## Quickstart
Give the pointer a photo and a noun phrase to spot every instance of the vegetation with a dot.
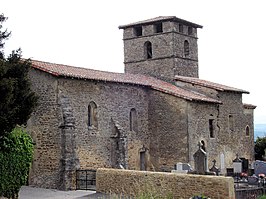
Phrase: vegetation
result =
(17, 101)
(260, 146)
(15, 162)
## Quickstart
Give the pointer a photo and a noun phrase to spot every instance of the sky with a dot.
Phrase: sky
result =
(85, 33)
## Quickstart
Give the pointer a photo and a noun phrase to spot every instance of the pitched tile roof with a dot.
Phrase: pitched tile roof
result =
(61, 70)
(209, 84)
(160, 19)
(249, 106)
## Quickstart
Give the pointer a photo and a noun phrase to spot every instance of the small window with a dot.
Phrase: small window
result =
(147, 50)
(158, 27)
(190, 30)
(211, 128)
(181, 28)
(138, 31)
(133, 120)
(186, 48)
(247, 131)
(231, 122)
(92, 115)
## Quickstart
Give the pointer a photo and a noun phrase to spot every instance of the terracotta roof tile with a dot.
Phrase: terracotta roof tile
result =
(249, 106)
(160, 19)
(209, 84)
(61, 70)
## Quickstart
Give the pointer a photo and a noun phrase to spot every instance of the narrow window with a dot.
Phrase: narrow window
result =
(190, 30)
(142, 161)
(158, 27)
(211, 128)
(133, 120)
(92, 115)
(180, 28)
(186, 48)
(147, 50)
(231, 122)
(247, 130)
(138, 31)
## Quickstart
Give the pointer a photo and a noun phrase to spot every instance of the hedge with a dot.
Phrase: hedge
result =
(16, 153)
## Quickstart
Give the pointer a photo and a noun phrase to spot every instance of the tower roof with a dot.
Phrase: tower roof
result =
(160, 19)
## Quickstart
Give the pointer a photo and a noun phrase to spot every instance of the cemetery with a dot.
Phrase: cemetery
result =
(186, 181)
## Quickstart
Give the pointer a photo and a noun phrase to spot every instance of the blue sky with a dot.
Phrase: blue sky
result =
(85, 34)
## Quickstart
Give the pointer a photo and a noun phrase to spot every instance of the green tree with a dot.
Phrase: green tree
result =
(17, 101)
(260, 146)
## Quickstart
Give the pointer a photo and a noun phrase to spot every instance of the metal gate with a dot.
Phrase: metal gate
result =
(86, 179)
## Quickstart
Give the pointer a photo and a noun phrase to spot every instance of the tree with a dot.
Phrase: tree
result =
(260, 146)
(3, 35)
(17, 101)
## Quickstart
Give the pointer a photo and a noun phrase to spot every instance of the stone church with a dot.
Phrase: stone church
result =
(148, 118)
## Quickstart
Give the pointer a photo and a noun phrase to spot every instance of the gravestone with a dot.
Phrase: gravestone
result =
(214, 168)
(223, 170)
(182, 168)
(259, 167)
(200, 159)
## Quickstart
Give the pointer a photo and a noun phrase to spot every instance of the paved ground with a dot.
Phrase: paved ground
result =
(39, 193)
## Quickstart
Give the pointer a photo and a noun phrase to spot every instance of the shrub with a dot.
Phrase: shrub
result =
(16, 154)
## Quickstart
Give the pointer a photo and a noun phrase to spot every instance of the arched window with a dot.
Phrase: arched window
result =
(133, 120)
(147, 50)
(92, 115)
(211, 128)
(247, 131)
(186, 48)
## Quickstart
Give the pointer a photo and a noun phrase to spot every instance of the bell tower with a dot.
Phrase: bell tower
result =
(161, 47)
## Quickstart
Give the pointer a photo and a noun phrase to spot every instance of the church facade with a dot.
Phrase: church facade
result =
(148, 118)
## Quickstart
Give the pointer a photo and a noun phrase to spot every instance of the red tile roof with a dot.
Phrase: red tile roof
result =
(249, 106)
(209, 84)
(160, 19)
(61, 70)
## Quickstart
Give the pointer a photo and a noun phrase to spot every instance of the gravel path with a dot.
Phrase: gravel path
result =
(39, 193)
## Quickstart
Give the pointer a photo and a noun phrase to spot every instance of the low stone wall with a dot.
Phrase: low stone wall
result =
(180, 186)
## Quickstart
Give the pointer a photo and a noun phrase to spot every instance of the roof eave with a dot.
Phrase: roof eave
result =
(161, 20)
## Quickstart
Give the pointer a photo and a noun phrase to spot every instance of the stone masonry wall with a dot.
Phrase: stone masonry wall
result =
(43, 126)
(165, 185)
(168, 58)
(168, 131)
(226, 142)
(98, 147)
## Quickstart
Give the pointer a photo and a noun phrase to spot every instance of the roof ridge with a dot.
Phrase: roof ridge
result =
(127, 78)
(209, 84)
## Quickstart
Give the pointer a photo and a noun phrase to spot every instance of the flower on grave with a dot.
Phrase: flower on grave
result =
(199, 197)
(262, 175)
(243, 174)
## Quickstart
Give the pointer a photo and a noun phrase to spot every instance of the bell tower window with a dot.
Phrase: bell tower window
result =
(147, 50)
(158, 27)
(190, 30)
(180, 28)
(138, 31)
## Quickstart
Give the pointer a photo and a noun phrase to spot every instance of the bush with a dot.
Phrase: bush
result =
(15, 156)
